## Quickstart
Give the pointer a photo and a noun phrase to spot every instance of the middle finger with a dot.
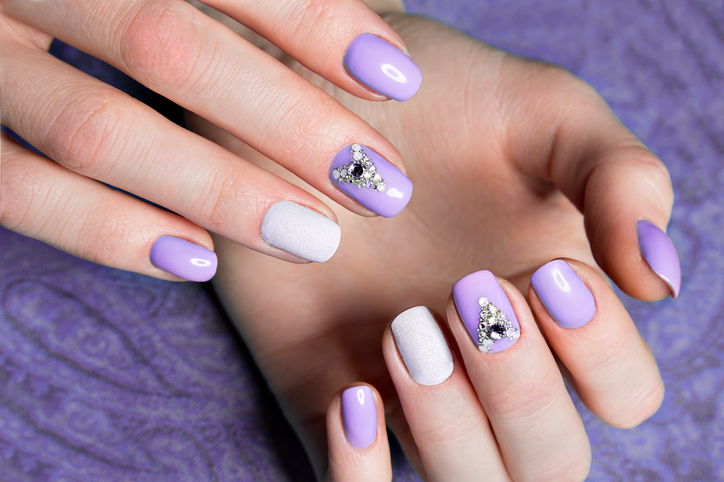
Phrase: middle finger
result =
(539, 432)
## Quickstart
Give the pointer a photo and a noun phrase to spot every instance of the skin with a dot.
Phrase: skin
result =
(505, 155)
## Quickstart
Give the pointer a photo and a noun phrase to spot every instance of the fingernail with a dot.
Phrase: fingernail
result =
(422, 346)
(371, 180)
(659, 252)
(300, 231)
(382, 67)
(486, 312)
(183, 259)
(565, 296)
(359, 416)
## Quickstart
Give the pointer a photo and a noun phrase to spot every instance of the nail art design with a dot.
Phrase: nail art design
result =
(359, 416)
(382, 67)
(300, 231)
(361, 171)
(422, 346)
(493, 326)
(371, 180)
(660, 253)
(565, 296)
(486, 312)
(183, 259)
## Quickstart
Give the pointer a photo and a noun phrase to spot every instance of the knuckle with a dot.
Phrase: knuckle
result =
(84, 131)
(224, 200)
(22, 188)
(529, 398)
(314, 21)
(160, 45)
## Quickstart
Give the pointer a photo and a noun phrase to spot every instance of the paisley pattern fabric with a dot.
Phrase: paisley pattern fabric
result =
(107, 375)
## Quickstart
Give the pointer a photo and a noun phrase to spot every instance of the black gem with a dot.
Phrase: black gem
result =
(496, 331)
(356, 170)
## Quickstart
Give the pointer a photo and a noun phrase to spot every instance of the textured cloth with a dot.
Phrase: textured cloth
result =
(108, 375)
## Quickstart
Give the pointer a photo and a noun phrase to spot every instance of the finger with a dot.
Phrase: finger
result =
(450, 429)
(203, 66)
(96, 131)
(618, 184)
(539, 432)
(325, 34)
(584, 322)
(39, 198)
(358, 446)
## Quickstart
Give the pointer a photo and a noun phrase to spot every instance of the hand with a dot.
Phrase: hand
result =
(94, 132)
(505, 154)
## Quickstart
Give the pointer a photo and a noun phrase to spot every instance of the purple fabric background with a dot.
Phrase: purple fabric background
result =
(107, 375)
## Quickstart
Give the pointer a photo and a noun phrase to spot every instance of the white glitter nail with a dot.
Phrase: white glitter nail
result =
(300, 231)
(422, 346)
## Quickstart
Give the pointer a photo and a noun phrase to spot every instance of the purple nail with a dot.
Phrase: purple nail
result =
(359, 416)
(660, 253)
(382, 67)
(371, 180)
(486, 312)
(565, 296)
(183, 259)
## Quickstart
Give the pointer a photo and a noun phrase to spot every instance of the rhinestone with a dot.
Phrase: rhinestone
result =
(381, 187)
(357, 156)
(367, 175)
(335, 174)
(483, 301)
(377, 177)
(343, 173)
(356, 147)
(372, 168)
(356, 170)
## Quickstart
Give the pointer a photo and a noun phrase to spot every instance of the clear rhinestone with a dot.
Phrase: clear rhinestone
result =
(483, 301)
(343, 173)
(356, 147)
(357, 156)
(335, 174)
(372, 168)
(377, 177)
(367, 175)
(381, 187)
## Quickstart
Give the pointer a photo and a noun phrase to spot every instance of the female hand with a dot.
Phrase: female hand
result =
(507, 156)
(95, 133)
(498, 409)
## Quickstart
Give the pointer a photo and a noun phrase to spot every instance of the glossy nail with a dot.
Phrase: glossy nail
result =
(371, 180)
(564, 295)
(382, 67)
(183, 259)
(486, 312)
(300, 231)
(422, 346)
(660, 254)
(359, 416)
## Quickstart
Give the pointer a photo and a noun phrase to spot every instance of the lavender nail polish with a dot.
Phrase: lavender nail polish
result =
(371, 180)
(382, 67)
(183, 259)
(486, 312)
(359, 416)
(565, 295)
(660, 254)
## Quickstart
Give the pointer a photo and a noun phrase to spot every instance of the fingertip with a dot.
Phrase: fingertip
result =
(357, 438)
(659, 251)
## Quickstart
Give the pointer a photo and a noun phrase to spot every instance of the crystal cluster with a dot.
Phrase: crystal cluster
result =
(361, 171)
(493, 326)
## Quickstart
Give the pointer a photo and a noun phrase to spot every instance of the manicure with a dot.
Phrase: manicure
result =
(382, 67)
(183, 259)
(300, 231)
(422, 346)
(564, 295)
(659, 252)
(371, 180)
(359, 416)
(486, 312)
